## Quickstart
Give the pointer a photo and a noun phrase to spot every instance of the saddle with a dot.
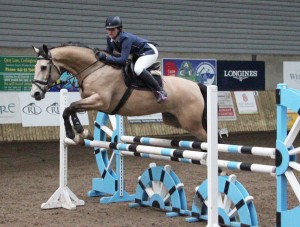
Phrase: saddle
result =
(135, 82)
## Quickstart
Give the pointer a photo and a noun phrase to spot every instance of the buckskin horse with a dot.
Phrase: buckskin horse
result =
(102, 88)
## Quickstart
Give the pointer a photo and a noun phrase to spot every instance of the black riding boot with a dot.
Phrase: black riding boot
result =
(159, 92)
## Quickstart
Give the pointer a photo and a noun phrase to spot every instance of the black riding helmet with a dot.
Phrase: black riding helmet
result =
(113, 22)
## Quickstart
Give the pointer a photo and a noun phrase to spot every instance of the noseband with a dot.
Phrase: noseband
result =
(46, 82)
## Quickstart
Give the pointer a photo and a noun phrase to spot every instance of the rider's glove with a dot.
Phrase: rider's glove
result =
(101, 56)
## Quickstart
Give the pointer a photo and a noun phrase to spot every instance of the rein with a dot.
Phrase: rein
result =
(81, 82)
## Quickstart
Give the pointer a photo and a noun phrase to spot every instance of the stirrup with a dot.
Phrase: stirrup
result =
(160, 96)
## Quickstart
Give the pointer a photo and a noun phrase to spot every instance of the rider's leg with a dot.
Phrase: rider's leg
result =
(140, 67)
(159, 93)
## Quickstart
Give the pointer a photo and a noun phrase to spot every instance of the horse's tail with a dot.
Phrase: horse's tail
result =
(203, 90)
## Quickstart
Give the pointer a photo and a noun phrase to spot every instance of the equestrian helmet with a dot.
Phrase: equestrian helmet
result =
(113, 22)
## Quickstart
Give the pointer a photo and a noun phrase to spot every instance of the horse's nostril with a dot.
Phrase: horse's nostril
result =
(37, 94)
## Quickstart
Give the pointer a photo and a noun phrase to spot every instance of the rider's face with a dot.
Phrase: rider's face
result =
(112, 32)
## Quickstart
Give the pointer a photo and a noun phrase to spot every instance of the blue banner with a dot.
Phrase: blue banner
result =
(241, 75)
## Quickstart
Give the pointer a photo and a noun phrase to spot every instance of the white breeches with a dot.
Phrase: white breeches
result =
(146, 61)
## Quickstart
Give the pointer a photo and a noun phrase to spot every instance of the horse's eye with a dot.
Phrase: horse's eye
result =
(43, 67)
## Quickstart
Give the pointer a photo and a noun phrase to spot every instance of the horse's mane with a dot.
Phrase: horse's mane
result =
(79, 44)
(71, 43)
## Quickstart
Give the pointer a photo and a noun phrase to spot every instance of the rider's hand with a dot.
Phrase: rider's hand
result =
(100, 56)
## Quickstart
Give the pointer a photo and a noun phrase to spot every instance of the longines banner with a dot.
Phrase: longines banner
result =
(46, 112)
(241, 75)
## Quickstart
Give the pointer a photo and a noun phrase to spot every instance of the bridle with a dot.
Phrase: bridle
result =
(44, 85)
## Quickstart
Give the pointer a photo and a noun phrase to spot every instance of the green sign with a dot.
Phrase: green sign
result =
(16, 73)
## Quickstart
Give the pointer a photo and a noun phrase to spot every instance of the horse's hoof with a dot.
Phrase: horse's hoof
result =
(69, 141)
(79, 140)
(87, 134)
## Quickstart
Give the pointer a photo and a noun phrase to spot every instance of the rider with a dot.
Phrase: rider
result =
(126, 43)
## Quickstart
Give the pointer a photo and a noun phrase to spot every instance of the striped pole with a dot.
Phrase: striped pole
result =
(229, 148)
(165, 158)
(184, 156)
(231, 165)
(175, 153)
(252, 167)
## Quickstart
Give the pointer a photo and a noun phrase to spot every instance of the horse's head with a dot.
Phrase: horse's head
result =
(46, 73)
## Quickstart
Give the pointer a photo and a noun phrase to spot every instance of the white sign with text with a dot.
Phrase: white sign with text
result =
(245, 101)
(225, 105)
(10, 108)
(46, 112)
(291, 74)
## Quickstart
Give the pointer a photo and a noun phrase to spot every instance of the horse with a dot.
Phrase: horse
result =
(102, 88)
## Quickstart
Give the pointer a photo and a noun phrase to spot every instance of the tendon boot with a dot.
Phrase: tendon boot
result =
(159, 93)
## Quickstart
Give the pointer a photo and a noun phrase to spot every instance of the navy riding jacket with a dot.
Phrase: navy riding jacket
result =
(126, 44)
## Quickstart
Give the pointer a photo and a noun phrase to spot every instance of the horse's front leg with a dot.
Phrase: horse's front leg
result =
(68, 127)
(82, 134)
(76, 122)
(90, 103)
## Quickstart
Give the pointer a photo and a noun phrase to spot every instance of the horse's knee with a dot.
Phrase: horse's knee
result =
(66, 114)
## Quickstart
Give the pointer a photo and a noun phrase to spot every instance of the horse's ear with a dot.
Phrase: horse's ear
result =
(37, 50)
(45, 49)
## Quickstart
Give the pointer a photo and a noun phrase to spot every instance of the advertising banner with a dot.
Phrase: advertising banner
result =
(291, 118)
(16, 73)
(241, 75)
(152, 118)
(9, 108)
(245, 102)
(226, 107)
(46, 112)
(198, 70)
(291, 74)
